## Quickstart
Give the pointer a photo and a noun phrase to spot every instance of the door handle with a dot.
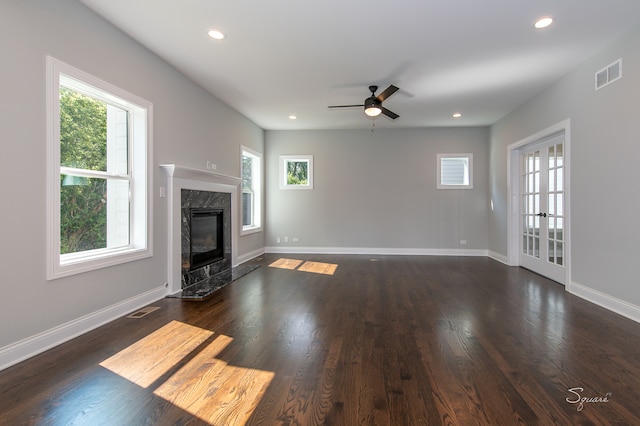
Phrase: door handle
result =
(542, 214)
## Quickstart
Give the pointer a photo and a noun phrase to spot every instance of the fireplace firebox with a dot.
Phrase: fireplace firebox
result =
(206, 236)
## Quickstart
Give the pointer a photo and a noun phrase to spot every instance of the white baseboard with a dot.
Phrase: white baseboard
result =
(611, 303)
(499, 257)
(375, 251)
(31, 346)
(248, 256)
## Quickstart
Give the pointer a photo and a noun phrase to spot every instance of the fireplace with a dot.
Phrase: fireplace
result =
(187, 189)
(207, 236)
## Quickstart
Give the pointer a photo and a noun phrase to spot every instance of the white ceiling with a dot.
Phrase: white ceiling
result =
(482, 58)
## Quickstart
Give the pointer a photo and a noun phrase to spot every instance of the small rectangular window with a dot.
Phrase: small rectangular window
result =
(296, 172)
(455, 171)
(251, 190)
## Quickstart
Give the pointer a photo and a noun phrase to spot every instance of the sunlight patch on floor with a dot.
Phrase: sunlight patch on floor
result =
(153, 356)
(180, 361)
(283, 263)
(308, 266)
(319, 268)
(214, 391)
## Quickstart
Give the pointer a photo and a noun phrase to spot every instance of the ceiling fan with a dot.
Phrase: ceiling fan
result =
(373, 104)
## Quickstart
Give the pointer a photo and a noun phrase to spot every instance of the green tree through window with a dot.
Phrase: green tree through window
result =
(297, 172)
(83, 145)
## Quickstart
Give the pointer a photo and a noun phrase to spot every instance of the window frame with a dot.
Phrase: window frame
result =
(284, 160)
(256, 186)
(139, 173)
(468, 157)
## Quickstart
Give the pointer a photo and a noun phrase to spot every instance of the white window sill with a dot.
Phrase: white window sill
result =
(252, 230)
(77, 264)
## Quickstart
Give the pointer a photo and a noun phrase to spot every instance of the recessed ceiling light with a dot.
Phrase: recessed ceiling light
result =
(215, 34)
(292, 117)
(457, 115)
(543, 22)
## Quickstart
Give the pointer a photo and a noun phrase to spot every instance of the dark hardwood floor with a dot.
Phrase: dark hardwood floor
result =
(395, 340)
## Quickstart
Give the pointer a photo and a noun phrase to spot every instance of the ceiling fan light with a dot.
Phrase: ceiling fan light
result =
(373, 111)
(371, 107)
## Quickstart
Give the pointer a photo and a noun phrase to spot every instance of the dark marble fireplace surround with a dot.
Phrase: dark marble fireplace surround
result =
(204, 199)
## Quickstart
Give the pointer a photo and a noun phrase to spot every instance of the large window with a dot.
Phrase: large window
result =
(251, 190)
(455, 171)
(98, 151)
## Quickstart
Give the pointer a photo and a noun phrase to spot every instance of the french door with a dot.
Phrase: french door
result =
(542, 208)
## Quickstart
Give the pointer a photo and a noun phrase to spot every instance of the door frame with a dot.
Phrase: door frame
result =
(513, 193)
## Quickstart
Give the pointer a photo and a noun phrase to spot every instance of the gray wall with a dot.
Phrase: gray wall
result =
(190, 127)
(378, 190)
(605, 148)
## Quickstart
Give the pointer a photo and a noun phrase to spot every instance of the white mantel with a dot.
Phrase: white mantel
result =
(179, 178)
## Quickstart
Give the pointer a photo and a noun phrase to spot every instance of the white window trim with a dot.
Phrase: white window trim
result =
(439, 170)
(257, 200)
(284, 159)
(141, 224)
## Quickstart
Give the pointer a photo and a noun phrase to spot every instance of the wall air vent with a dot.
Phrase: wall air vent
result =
(609, 74)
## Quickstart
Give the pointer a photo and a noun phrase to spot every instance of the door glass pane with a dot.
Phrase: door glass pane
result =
(559, 253)
(551, 206)
(536, 247)
(551, 252)
(559, 230)
(560, 180)
(552, 228)
(559, 155)
(552, 180)
(559, 204)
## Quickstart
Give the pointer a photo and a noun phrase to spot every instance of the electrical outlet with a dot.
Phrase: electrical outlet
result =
(214, 166)
(278, 240)
(463, 242)
(163, 192)
(286, 239)
(208, 165)
(295, 239)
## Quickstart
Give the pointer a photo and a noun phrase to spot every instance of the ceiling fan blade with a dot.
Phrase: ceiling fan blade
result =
(345, 106)
(392, 115)
(387, 92)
